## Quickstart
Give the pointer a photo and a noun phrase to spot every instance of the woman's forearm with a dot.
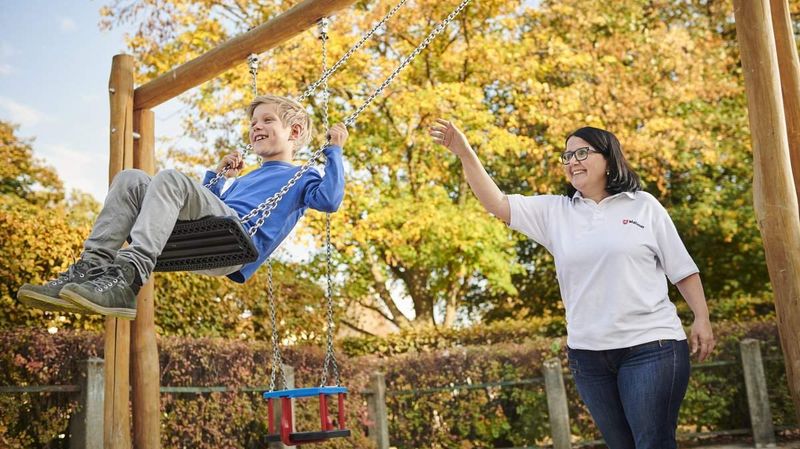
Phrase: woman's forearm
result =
(484, 187)
(691, 289)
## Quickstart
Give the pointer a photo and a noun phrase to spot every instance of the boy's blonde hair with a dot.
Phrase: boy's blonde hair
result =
(290, 113)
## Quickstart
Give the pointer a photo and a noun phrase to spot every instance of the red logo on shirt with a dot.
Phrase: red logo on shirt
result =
(629, 221)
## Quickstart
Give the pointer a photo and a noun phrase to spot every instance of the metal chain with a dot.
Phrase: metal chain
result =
(265, 208)
(432, 35)
(277, 358)
(328, 73)
(323, 36)
(253, 62)
(330, 356)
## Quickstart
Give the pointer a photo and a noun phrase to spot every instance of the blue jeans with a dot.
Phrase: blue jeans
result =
(634, 394)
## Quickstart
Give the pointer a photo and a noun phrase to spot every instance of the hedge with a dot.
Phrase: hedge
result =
(210, 420)
(447, 418)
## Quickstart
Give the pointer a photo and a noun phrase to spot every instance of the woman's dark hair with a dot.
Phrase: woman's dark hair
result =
(621, 177)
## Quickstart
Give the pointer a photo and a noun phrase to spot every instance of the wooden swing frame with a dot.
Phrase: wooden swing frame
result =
(773, 90)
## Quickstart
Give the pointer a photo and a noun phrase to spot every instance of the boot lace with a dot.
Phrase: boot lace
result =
(107, 276)
(67, 276)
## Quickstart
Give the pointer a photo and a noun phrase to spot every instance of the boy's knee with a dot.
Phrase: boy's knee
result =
(131, 176)
(169, 178)
(168, 175)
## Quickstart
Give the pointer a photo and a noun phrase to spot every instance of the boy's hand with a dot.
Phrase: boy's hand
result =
(446, 133)
(337, 135)
(234, 162)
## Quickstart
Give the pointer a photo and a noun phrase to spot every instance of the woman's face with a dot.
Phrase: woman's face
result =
(589, 175)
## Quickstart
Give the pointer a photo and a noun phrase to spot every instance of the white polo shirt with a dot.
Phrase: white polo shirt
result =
(611, 260)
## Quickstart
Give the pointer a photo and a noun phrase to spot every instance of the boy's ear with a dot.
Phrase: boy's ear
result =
(297, 129)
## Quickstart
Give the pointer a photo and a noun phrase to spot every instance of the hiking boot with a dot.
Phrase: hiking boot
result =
(111, 291)
(45, 297)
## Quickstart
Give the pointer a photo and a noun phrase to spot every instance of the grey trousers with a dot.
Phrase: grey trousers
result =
(146, 208)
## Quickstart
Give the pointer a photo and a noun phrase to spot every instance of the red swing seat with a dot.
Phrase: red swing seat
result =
(287, 435)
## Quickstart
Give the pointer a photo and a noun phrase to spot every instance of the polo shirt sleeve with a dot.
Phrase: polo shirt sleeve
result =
(529, 215)
(671, 252)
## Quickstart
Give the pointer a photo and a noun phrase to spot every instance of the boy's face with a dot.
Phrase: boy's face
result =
(270, 138)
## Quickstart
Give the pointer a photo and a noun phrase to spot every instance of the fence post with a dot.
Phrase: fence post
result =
(757, 398)
(279, 410)
(86, 425)
(557, 404)
(378, 425)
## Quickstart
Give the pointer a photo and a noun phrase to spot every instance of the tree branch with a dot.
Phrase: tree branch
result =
(356, 328)
(380, 287)
(378, 311)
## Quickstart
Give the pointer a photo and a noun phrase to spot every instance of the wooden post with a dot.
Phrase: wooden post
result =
(774, 195)
(301, 17)
(557, 404)
(378, 426)
(116, 423)
(144, 363)
(789, 68)
(279, 411)
(89, 417)
(757, 398)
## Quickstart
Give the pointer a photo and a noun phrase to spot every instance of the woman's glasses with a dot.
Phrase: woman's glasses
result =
(580, 154)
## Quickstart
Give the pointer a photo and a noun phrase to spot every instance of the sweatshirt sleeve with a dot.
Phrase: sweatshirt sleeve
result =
(325, 193)
(216, 189)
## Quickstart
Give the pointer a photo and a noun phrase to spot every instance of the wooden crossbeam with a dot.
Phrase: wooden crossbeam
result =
(235, 51)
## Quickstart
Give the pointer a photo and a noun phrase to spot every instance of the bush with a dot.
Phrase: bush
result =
(433, 339)
(211, 420)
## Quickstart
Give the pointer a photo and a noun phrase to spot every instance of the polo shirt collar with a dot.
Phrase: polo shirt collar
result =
(630, 195)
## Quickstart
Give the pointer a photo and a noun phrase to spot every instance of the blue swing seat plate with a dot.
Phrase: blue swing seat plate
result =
(304, 392)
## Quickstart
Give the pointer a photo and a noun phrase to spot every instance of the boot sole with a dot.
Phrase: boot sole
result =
(49, 303)
(74, 298)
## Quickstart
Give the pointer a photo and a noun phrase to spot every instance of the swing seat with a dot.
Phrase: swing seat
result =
(287, 435)
(210, 242)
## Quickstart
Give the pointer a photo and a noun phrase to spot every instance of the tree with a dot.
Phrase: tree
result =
(42, 231)
(662, 75)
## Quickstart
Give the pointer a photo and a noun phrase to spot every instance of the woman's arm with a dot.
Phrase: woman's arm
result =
(484, 187)
(702, 337)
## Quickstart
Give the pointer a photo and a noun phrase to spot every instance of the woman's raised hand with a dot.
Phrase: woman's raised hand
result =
(447, 134)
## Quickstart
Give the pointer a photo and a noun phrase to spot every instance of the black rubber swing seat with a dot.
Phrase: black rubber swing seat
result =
(211, 242)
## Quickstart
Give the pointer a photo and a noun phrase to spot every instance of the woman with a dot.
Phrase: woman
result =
(614, 247)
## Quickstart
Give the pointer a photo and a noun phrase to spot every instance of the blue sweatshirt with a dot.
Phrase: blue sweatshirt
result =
(323, 193)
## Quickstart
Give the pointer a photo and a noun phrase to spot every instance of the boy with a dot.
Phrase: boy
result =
(106, 279)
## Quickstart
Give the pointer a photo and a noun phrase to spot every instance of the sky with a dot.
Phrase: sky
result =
(54, 68)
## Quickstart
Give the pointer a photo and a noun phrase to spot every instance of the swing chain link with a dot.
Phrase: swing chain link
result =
(432, 35)
(253, 61)
(328, 73)
(277, 358)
